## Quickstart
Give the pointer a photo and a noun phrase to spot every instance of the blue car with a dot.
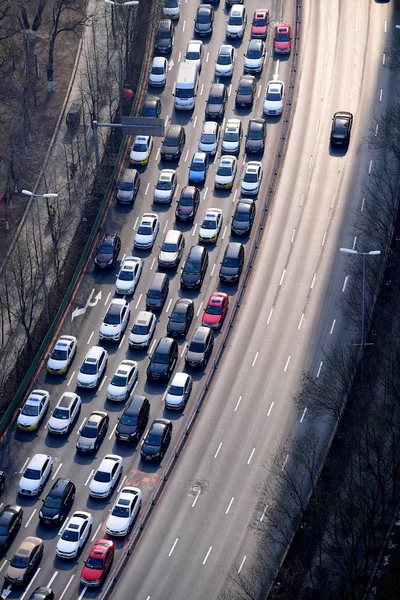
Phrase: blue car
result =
(198, 167)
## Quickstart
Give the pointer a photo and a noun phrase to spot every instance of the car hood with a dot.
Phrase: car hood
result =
(150, 450)
(116, 391)
(185, 210)
(243, 98)
(223, 179)
(125, 286)
(210, 319)
(174, 327)
(27, 421)
(86, 379)
(84, 442)
(249, 185)
(126, 429)
(163, 43)
(109, 329)
(48, 512)
(157, 76)
(164, 194)
(240, 225)
(29, 484)
(117, 523)
(173, 400)
(91, 574)
(281, 45)
(194, 357)
(142, 239)
(124, 194)
(215, 110)
(137, 338)
(56, 364)
(190, 277)
(272, 105)
(66, 546)
(234, 28)
(229, 271)
(14, 573)
(157, 368)
(138, 155)
(104, 259)
(55, 423)
(203, 26)
(170, 150)
(207, 234)
(168, 257)
(254, 144)
(197, 175)
(223, 68)
(99, 487)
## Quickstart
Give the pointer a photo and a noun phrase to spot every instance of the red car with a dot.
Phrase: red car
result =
(282, 38)
(259, 27)
(97, 565)
(216, 310)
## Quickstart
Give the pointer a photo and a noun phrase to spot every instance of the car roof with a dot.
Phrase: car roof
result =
(275, 85)
(151, 101)
(159, 61)
(164, 344)
(182, 303)
(95, 418)
(180, 379)
(165, 24)
(227, 160)
(212, 213)
(144, 317)
(58, 488)
(134, 404)
(246, 79)
(37, 461)
(237, 9)
(196, 252)
(188, 190)
(109, 461)
(233, 249)
(172, 236)
(256, 124)
(254, 43)
(196, 43)
(282, 27)
(173, 130)
(201, 333)
(225, 49)
(342, 115)
(66, 399)
(199, 157)
(64, 341)
(109, 237)
(217, 89)
(209, 127)
(94, 353)
(232, 125)
(261, 12)
(217, 298)
(124, 368)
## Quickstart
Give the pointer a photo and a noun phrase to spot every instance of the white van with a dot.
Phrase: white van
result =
(186, 86)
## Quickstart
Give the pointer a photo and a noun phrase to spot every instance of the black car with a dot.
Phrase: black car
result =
(246, 90)
(203, 23)
(181, 317)
(216, 101)
(232, 262)
(42, 593)
(200, 347)
(256, 134)
(93, 432)
(165, 36)
(173, 143)
(342, 123)
(108, 250)
(243, 217)
(163, 360)
(195, 267)
(157, 440)
(133, 420)
(10, 522)
(151, 107)
(57, 502)
(188, 203)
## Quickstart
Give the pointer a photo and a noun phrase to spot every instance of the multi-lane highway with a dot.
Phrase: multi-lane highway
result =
(289, 315)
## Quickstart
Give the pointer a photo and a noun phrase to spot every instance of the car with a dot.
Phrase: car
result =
(172, 249)
(10, 523)
(188, 203)
(282, 38)
(128, 186)
(342, 123)
(216, 101)
(24, 562)
(209, 138)
(226, 172)
(123, 380)
(92, 368)
(252, 178)
(106, 476)
(74, 535)
(35, 407)
(254, 57)
(98, 563)
(259, 26)
(200, 347)
(165, 36)
(147, 231)
(243, 217)
(64, 414)
(232, 137)
(225, 62)
(151, 107)
(232, 2)
(62, 355)
(158, 71)
(172, 146)
(216, 310)
(171, 9)
(133, 420)
(93, 432)
(107, 251)
(246, 90)
(124, 511)
(129, 275)
(42, 593)
(142, 330)
(178, 391)
(237, 21)
(180, 318)
(2, 481)
(115, 321)
(141, 150)
(58, 502)
(198, 167)
(165, 187)
(195, 53)
(195, 267)
(203, 22)
(256, 134)
(211, 225)
(232, 263)
(157, 291)
(36, 474)
(163, 359)
(156, 441)
(274, 98)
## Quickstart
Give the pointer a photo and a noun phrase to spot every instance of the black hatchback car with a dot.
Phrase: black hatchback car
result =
(256, 134)
(195, 267)
(232, 262)
(57, 502)
(163, 360)
(157, 440)
(246, 90)
(216, 101)
(188, 203)
(173, 143)
(342, 123)
(200, 347)
(203, 23)
(165, 36)
(108, 250)
(151, 107)
(133, 420)
(243, 217)
(10, 522)
(181, 317)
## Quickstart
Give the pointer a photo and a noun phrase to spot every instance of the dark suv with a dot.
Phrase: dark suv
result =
(200, 347)
(165, 36)
(133, 420)
(255, 138)
(57, 502)
(157, 440)
(216, 102)
(342, 123)
(232, 263)
(108, 250)
(163, 361)
(173, 143)
(195, 267)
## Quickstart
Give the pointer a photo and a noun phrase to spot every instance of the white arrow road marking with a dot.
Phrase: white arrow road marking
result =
(170, 65)
(81, 311)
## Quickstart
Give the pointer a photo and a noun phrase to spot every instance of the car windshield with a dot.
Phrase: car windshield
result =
(89, 368)
(255, 134)
(225, 170)
(120, 511)
(164, 184)
(273, 96)
(171, 141)
(30, 411)
(230, 262)
(128, 420)
(231, 136)
(209, 224)
(204, 18)
(102, 476)
(126, 275)
(89, 432)
(153, 294)
(153, 439)
(59, 354)
(196, 346)
(176, 390)
(112, 318)
(163, 34)
(160, 357)
(197, 166)
(282, 37)
(253, 54)
(119, 381)
(341, 127)
(224, 59)
(186, 201)
(139, 147)
(178, 317)
(145, 229)
(70, 535)
(244, 89)
(241, 215)
(208, 138)
(233, 20)
(215, 100)
(140, 329)
(169, 247)
(105, 249)
(126, 186)
(250, 177)
(157, 70)
(191, 267)
(171, 3)
(19, 562)
(61, 413)
(183, 93)
(192, 55)
(213, 310)
(94, 563)
(149, 110)
(32, 474)
(259, 22)
(53, 502)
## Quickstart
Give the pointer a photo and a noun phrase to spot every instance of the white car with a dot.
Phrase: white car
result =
(141, 150)
(171, 9)
(35, 475)
(115, 321)
(178, 391)
(124, 511)
(146, 233)
(33, 410)
(252, 177)
(194, 53)
(225, 62)
(158, 71)
(254, 57)
(129, 275)
(62, 355)
(142, 330)
(123, 381)
(64, 414)
(232, 137)
(165, 187)
(92, 368)
(74, 535)
(274, 97)
(209, 138)
(237, 21)
(226, 172)
(211, 225)
(106, 476)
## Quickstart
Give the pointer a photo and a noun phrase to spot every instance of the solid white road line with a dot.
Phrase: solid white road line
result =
(229, 505)
(95, 533)
(207, 555)
(303, 415)
(238, 402)
(287, 364)
(89, 478)
(113, 431)
(56, 472)
(52, 579)
(90, 337)
(242, 563)
(66, 587)
(319, 368)
(71, 378)
(255, 359)
(218, 449)
(270, 408)
(251, 456)
(301, 321)
(333, 326)
(24, 465)
(282, 277)
(30, 518)
(173, 547)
